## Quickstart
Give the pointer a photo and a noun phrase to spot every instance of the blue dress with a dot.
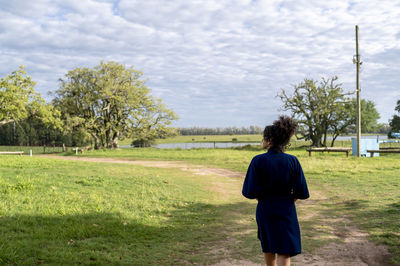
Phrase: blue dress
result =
(276, 179)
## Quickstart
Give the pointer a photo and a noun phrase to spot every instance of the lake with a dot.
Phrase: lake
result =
(198, 145)
(212, 145)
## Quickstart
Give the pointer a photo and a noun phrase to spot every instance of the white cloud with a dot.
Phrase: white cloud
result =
(215, 62)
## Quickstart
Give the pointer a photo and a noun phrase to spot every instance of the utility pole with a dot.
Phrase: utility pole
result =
(358, 63)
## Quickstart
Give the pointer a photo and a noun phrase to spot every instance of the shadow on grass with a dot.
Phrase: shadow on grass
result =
(382, 225)
(188, 235)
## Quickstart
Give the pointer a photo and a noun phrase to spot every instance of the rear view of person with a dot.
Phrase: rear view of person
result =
(276, 180)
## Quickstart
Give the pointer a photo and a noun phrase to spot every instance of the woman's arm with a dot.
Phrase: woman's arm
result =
(251, 188)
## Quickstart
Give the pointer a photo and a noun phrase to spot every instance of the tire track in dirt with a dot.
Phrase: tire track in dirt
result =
(354, 249)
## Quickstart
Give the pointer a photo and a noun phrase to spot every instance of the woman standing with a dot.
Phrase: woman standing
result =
(276, 180)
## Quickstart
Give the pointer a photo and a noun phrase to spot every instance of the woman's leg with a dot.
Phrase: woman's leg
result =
(270, 259)
(283, 260)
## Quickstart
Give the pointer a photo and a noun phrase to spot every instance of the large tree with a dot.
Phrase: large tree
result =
(110, 102)
(18, 101)
(394, 123)
(322, 108)
(317, 106)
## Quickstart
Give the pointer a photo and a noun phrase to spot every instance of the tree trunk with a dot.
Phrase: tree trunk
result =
(114, 143)
(325, 137)
(316, 140)
(110, 139)
(96, 142)
(334, 138)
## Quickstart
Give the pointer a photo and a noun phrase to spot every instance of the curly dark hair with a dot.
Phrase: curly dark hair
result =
(280, 132)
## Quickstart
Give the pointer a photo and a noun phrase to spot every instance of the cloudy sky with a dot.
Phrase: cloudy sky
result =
(214, 62)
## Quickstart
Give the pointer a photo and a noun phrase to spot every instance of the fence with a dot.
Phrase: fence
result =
(35, 149)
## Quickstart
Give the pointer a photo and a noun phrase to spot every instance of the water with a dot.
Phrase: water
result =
(198, 145)
(211, 145)
(206, 145)
(381, 137)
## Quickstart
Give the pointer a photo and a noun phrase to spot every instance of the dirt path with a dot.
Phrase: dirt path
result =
(197, 169)
(353, 249)
(348, 246)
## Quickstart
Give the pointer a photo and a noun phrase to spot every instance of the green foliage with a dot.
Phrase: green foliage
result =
(369, 117)
(394, 123)
(18, 101)
(318, 107)
(111, 102)
(322, 108)
(31, 131)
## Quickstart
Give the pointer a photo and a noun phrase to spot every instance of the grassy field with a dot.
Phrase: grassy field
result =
(365, 190)
(61, 212)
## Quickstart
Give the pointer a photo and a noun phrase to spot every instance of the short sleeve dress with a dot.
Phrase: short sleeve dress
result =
(276, 179)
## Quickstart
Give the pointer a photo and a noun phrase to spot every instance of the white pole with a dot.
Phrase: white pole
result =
(31, 153)
(76, 151)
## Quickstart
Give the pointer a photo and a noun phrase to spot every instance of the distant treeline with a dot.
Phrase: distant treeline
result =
(33, 132)
(195, 131)
(220, 131)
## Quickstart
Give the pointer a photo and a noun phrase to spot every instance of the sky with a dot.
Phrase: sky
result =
(216, 63)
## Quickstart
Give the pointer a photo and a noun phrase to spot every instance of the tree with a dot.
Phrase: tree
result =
(18, 101)
(394, 123)
(369, 116)
(111, 102)
(322, 108)
(347, 122)
(318, 107)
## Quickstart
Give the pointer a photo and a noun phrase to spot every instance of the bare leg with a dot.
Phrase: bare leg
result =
(270, 259)
(283, 260)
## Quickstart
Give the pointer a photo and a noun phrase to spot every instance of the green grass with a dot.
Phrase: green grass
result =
(125, 214)
(364, 190)
(62, 212)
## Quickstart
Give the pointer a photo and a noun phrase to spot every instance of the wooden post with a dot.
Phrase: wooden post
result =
(358, 63)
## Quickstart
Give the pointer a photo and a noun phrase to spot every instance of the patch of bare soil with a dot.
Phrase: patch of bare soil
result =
(197, 169)
(236, 263)
(354, 249)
